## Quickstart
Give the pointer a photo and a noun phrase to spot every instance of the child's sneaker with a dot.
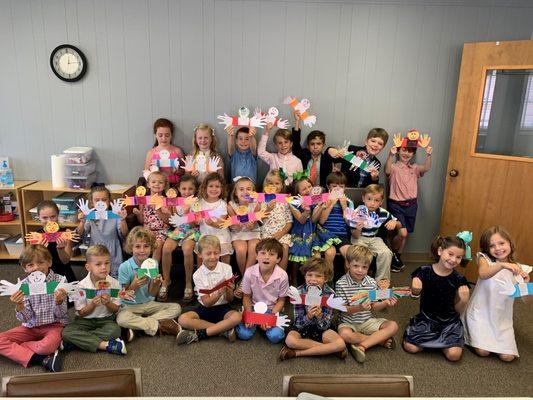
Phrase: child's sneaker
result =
(127, 334)
(116, 346)
(397, 264)
(66, 346)
(358, 352)
(53, 362)
(231, 335)
(186, 336)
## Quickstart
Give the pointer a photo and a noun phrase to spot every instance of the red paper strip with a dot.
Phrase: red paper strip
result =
(250, 317)
(219, 286)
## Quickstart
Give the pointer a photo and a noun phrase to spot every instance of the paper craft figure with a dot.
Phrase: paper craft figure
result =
(243, 216)
(195, 216)
(268, 196)
(271, 117)
(413, 139)
(221, 285)
(380, 294)
(257, 121)
(201, 164)
(362, 214)
(466, 236)
(102, 288)
(165, 160)
(302, 107)
(522, 289)
(314, 296)
(51, 234)
(36, 285)
(315, 198)
(260, 317)
(358, 162)
(100, 212)
(149, 268)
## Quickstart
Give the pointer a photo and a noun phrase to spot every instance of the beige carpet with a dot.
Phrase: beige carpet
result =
(215, 367)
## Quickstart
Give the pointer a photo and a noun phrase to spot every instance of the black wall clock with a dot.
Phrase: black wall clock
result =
(68, 63)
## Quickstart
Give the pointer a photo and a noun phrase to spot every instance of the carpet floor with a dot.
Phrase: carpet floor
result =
(217, 368)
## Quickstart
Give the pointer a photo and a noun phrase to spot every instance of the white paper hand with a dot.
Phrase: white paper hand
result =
(116, 205)
(282, 321)
(8, 288)
(259, 121)
(69, 287)
(288, 100)
(283, 124)
(372, 165)
(294, 295)
(214, 164)
(83, 205)
(310, 121)
(336, 302)
(176, 220)
(188, 163)
(217, 213)
(225, 120)
(296, 201)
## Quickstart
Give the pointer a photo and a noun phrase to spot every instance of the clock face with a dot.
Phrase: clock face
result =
(68, 63)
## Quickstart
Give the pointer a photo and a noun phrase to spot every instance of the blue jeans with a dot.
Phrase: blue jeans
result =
(274, 335)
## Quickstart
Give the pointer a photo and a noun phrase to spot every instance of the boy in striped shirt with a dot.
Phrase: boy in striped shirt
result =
(359, 329)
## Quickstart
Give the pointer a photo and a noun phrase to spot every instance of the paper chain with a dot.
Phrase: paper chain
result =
(268, 197)
(272, 117)
(100, 212)
(380, 294)
(51, 237)
(201, 164)
(313, 199)
(314, 297)
(195, 216)
(260, 317)
(243, 219)
(158, 201)
(301, 106)
(221, 285)
(413, 139)
(258, 120)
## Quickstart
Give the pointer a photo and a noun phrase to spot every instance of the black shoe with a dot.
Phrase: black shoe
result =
(53, 362)
(397, 264)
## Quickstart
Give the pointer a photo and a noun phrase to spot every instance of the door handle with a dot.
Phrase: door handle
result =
(454, 173)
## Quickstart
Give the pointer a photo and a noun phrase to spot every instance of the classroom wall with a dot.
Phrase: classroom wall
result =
(393, 64)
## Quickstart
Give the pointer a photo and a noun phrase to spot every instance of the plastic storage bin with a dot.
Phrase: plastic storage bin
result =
(81, 182)
(67, 201)
(81, 169)
(14, 245)
(67, 217)
(79, 155)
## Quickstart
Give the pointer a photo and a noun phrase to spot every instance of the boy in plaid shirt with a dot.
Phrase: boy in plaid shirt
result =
(43, 316)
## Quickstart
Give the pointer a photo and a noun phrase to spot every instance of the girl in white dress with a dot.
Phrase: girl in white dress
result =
(278, 223)
(211, 197)
(488, 319)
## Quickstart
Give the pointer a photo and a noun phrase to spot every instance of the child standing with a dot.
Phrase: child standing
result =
(265, 282)
(314, 160)
(244, 237)
(283, 159)
(332, 217)
(403, 179)
(156, 220)
(213, 316)
(204, 144)
(108, 232)
(43, 317)
(242, 151)
(489, 316)
(94, 327)
(61, 251)
(278, 223)
(311, 335)
(366, 234)
(376, 139)
(212, 193)
(186, 236)
(143, 313)
(358, 327)
(444, 297)
(164, 132)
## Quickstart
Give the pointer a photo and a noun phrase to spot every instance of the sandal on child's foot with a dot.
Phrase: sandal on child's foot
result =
(342, 354)
(237, 293)
(358, 352)
(286, 353)
(390, 343)
(163, 293)
(188, 294)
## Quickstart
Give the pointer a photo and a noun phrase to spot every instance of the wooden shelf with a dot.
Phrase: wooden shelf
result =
(15, 227)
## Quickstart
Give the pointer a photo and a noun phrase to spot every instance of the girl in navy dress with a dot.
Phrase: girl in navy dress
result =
(444, 295)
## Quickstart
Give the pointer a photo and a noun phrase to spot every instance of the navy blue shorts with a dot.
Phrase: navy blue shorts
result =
(310, 332)
(405, 211)
(345, 241)
(212, 314)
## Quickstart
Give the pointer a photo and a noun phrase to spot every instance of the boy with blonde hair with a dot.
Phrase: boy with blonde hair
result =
(94, 327)
(358, 327)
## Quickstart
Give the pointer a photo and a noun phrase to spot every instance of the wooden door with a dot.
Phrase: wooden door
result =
(485, 188)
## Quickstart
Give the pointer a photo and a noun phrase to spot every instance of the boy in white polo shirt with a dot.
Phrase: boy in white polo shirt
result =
(212, 283)
(94, 327)
(265, 282)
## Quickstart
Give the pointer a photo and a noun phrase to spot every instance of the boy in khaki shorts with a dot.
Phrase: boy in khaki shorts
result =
(359, 329)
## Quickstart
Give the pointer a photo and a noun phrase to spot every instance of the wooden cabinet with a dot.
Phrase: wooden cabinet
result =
(43, 190)
(15, 227)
